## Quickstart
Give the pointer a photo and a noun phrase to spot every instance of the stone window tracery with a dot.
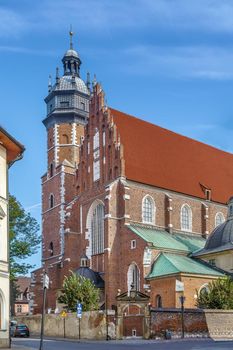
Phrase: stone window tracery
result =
(148, 210)
(186, 218)
(96, 156)
(97, 230)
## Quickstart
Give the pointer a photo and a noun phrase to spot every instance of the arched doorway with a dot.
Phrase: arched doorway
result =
(133, 315)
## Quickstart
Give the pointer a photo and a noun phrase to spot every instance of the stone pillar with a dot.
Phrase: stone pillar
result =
(168, 213)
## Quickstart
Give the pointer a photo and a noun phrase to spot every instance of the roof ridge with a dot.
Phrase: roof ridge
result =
(165, 255)
(170, 131)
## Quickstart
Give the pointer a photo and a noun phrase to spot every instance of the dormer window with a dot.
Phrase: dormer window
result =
(208, 194)
(84, 261)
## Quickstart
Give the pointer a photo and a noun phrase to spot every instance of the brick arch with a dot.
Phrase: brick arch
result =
(88, 225)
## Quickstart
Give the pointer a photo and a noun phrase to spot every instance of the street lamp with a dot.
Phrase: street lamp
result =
(182, 300)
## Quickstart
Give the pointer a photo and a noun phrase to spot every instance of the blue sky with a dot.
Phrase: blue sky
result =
(166, 61)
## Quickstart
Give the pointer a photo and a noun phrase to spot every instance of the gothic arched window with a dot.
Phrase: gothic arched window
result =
(97, 230)
(51, 169)
(186, 218)
(51, 248)
(148, 210)
(219, 219)
(158, 301)
(51, 201)
(133, 277)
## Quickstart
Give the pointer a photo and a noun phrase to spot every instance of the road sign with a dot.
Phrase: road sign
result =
(179, 286)
(46, 281)
(79, 310)
(63, 313)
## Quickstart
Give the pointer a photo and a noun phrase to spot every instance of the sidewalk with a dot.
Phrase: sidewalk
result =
(16, 347)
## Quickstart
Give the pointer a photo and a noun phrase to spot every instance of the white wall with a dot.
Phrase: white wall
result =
(4, 268)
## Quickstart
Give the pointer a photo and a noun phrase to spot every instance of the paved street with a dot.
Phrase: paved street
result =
(33, 344)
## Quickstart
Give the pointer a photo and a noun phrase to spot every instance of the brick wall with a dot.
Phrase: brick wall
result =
(162, 320)
(123, 205)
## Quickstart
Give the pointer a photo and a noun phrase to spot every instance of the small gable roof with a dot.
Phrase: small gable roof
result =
(170, 264)
(165, 159)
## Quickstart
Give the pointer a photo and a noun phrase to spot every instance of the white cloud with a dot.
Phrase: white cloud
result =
(34, 206)
(12, 24)
(211, 15)
(199, 62)
(106, 16)
(27, 51)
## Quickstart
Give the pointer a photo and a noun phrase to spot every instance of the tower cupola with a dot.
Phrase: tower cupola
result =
(71, 61)
(68, 97)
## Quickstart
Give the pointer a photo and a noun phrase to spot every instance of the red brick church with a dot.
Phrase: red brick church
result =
(125, 202)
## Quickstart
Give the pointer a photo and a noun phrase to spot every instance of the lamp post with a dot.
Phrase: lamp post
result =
(182, 300)
(106, 316)
(45, 286)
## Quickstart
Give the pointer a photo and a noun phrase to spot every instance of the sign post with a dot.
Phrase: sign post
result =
(45, 286)
(63, 315)
(79, 316)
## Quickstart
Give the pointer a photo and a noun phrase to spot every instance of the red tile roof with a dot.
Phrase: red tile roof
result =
(23, 283)
(162, 158)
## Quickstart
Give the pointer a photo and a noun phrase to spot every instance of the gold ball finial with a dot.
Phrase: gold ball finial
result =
(71, 36)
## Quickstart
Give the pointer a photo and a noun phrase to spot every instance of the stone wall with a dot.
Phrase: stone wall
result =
(220, 324)
(92, 325)
(170, 319)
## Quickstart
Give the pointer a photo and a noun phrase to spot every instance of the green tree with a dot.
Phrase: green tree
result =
(24, 238)
(78, 288)
(218, 295)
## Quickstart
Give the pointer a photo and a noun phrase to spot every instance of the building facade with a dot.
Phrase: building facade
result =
(135, 198)
(10, 151)
(22, 301)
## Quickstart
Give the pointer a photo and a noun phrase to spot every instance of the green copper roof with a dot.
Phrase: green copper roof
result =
(162, 239)
(168, 264)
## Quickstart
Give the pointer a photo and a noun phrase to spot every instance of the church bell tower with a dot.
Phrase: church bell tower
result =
(67, 113)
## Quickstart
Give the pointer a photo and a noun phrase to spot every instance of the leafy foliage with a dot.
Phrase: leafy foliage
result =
(219, 295)
(24, 238)
(78, 288)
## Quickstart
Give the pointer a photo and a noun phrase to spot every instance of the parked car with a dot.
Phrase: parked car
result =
(20, 330)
